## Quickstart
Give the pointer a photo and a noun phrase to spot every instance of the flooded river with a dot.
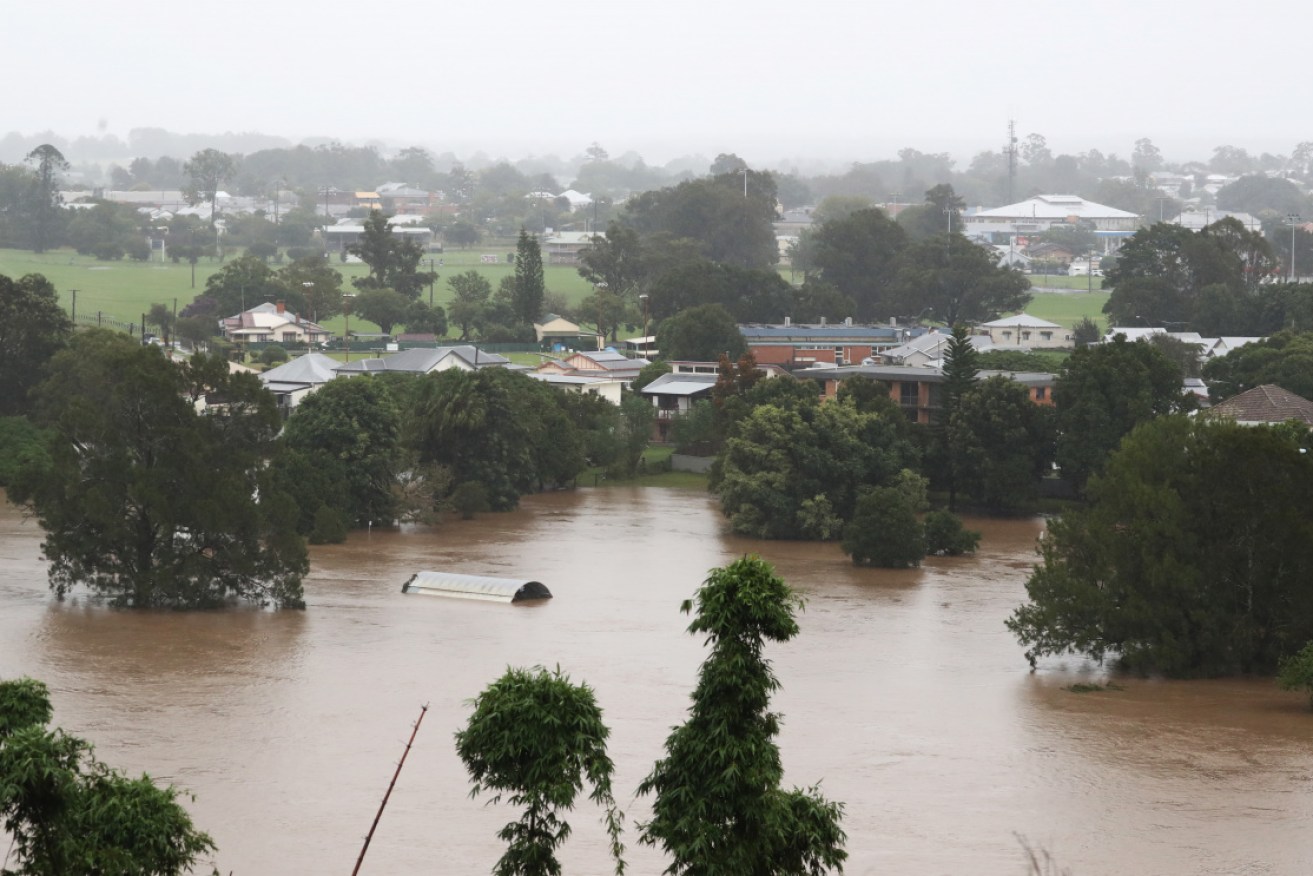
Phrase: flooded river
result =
(904, 694)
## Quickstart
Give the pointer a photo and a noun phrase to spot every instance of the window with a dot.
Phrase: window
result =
(1007, 335)
(908, 394)
(1046, 336)
(1025, 336)
(1041, 393)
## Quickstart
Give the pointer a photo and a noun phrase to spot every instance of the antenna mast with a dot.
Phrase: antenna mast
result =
(1011, 152)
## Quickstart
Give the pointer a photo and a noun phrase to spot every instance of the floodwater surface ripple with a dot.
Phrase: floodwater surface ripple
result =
(904, 695)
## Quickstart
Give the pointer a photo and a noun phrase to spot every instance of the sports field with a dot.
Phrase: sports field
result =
(124, 290)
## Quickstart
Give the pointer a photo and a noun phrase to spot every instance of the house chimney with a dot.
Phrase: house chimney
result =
(848, 320)
(788, 321)
(822, 320)
(282, 306)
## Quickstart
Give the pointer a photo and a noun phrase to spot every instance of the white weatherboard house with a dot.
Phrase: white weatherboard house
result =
(1024, 330)
(294, 380)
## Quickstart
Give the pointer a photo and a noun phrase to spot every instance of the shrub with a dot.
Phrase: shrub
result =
(330, 526)
(273, 354)
(469, 498)
(945, 536)
(1297, 672)
(884, 531)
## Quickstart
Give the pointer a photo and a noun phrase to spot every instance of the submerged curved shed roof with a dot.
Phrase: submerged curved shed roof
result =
(483, 587)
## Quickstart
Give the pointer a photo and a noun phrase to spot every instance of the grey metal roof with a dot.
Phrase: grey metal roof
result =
(680, 384)
(480, 587)
(422, 360)
(310, 368)
(819, 332)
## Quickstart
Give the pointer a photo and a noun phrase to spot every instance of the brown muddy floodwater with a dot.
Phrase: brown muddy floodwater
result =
(904, 694)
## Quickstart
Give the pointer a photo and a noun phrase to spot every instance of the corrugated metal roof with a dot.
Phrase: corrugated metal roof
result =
(479, 587)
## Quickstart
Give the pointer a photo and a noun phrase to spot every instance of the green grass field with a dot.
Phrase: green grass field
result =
(124, 290)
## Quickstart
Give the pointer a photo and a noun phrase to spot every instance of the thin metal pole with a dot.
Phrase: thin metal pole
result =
(422, 710)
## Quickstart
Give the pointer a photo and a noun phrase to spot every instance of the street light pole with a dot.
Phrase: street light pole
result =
(643, 300)
(346, 311)
(1293, 221)
(744, 171)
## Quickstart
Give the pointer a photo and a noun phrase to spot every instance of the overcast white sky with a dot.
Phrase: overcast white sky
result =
(768, 80)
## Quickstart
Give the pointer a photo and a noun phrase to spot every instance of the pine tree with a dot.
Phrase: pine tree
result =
(530, 287)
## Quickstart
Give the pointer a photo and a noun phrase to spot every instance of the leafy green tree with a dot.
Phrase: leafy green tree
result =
(421, 318)
(469, 308)
(1102, 393)
(355, 423)
(857, 255)
(1191, 558)
(393, 260)
(651, 371)
(311, 279)
(747, 295)
(1285, 359)
(717, 803)
(108, 232)
(1296, 671)
(244, 283)
(700, 334)
(635, 431)
(1085, 332)
(383, 307)
(273, 354)
(957, 280)
(814, 301)
(731, 227)
(499, 428)
(22, 445)
(607, 309)
(206, 172)
(940, 214)
(33, 327)
(45, 199)
(1208, 280)
(1003, 443)
(884, 531)
(149, 502)
(161, 316)
(945, 535)
(1259, 193)
(67, 812)
(614, 260)
(535, 737)
(462, 234)
(777, 458)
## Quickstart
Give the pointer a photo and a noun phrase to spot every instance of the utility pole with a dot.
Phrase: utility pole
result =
(75, 304)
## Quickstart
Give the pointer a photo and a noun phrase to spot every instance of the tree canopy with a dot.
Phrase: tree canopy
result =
(33, 327)
(1192, 557)
(1104, 391)
(535, 737)
(717, 804)
(700, 334)
(149, 502)
(1285, 358)
(70, 813)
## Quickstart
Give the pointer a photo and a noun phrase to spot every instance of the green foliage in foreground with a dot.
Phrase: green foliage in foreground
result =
(1192, 558)
(1297, 671)
(22, 445)
(945, 535)
(535, 737)
(718, 806)
(69, 813)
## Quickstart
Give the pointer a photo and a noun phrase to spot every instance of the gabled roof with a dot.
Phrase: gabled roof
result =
(1054, 207)
(421, 360)
(1268, 403)
(1021, 320)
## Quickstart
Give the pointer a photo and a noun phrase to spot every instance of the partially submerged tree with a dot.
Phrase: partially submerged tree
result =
(535, 737)
(149, 502)
(717, 803)
(69, 813)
